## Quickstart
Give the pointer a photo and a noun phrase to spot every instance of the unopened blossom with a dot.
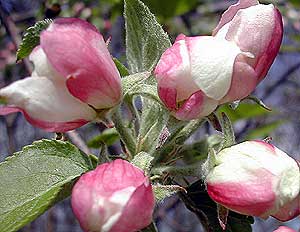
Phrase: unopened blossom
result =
(115, 197)
(256, 178)
(198, 73)
(73, 82)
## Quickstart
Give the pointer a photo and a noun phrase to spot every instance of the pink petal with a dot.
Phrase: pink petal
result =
(196, 106)
(78, 52)
(252, 197)
(167, 95)
(173, 72)
(266, 59)
(243, 82)
(47, 126)
(257, 30)
(140, 206)
(118, 175)
(231, 12)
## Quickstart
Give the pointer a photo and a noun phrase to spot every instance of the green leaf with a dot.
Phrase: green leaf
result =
(108, 137)
(199, 202)
(229, 137)
(145, 38)
(177, 139)
(198, 150)
(132, 81)
(31, 38)
(163, 191)
(244, 111)
(264, 131)
(144, 161)
(121, 68)
(35, 178)
(153, 119)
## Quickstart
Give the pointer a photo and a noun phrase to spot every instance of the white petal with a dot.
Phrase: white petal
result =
(46, 100)
(42, 67)
(212, 61)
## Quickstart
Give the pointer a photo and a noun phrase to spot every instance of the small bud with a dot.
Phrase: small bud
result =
(198, 73)
(74, 80)
(256, 178)
(115, 197)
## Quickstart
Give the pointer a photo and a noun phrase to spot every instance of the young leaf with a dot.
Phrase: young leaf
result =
(153, 120)
(145, 38)
(108, 137)
(31, 38)
(144, 161)
(229, 137)
(163, 191)
(121, 68)
(35, 178)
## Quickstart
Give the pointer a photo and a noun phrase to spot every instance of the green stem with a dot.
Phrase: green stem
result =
(177, 141)
(125, 133)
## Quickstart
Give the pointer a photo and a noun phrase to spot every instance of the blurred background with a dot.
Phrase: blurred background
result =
(280, 90)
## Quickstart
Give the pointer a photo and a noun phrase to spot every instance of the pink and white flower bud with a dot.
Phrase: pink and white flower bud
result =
(284, 229)
(198, 73)
(257, 30)
(73, 71)
(115, 197)
(256, 178)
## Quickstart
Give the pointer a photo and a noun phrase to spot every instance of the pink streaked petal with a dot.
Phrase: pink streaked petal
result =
(180, 37)
(168, 97)
(78, 52)
(266, 59)
(4, 110)
(196, 106)
(118, 175)
(252, 29)
(47, 126)
(231, 12)
(173, 70)
(284, 229)
(140, 205)
(253, 197)
(243, 82)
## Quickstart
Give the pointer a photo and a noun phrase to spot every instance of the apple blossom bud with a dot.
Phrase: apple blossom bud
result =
(115, 197)
(284, 229)
(74, 75)
(255, 178)
(198, 73)
(256, 29)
